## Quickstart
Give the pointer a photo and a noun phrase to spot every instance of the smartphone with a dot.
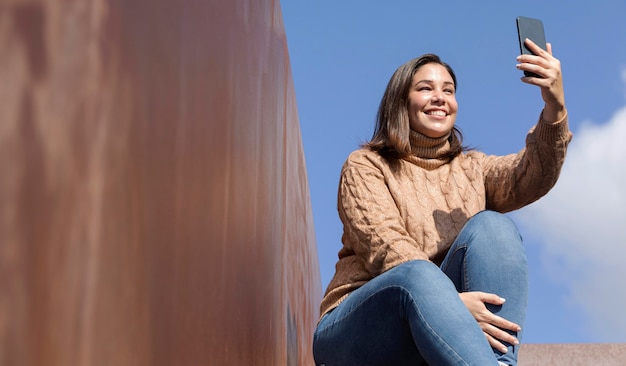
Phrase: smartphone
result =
(533, 29)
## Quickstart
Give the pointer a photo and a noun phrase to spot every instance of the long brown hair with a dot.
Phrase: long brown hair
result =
(391, 135)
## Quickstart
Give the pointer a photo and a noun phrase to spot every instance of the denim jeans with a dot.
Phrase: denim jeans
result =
(412, 314)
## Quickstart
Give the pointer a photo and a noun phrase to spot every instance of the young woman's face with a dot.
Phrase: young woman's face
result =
(432, 102)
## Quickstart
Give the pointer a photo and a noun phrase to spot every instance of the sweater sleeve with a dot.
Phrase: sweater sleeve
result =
(373, 228)
(516, 180)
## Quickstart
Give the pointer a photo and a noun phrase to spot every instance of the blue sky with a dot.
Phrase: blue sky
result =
(342, 54)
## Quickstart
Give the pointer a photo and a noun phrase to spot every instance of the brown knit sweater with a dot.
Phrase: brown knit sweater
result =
(415, 209)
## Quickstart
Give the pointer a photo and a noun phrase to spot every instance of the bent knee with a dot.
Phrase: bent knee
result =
(495, 225)
(418, 276)
(416, 268)
(493, 218)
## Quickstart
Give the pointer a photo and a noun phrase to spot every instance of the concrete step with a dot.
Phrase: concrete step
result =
(586, 354)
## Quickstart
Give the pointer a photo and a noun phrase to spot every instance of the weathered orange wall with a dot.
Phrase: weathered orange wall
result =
(154, 206)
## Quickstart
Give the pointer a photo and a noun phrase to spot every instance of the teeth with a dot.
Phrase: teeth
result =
(437, 113)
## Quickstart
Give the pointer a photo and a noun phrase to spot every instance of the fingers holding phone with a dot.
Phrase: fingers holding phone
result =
(537, 64)
(540, 67)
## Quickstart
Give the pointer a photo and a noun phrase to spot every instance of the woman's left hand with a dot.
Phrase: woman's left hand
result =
(550, 79)
(493, 326)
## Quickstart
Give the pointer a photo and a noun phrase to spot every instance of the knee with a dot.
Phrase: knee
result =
(493, 218)
(495, 233)
(415, 269)
(419, 277)
(495, 225)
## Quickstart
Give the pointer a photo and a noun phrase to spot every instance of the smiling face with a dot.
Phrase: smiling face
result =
(432, 102)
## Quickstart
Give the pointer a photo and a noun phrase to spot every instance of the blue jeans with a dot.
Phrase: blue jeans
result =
(413, 315)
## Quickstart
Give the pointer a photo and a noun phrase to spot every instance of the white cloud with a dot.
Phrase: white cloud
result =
(581, 224)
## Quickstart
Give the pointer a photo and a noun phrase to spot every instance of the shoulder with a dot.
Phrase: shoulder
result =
(473, 155)
(365, 162)
(472, 161)
(364, 157)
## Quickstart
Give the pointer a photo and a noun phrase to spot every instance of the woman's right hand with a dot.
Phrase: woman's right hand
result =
(492, 325)
(550, 79)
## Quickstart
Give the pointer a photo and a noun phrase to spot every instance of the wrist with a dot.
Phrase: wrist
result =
(553, 113)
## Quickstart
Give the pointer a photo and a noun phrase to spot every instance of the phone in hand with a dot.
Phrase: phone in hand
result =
(533, 29)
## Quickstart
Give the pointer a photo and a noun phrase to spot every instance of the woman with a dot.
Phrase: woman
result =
(431, 271)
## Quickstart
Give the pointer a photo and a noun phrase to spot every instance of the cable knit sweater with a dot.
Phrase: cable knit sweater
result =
(393, 213)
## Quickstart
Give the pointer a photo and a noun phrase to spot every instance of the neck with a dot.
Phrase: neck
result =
(429, 152)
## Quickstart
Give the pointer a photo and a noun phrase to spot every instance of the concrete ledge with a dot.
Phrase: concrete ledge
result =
(603, 354)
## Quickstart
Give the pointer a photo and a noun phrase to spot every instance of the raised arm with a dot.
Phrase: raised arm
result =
(516, 180)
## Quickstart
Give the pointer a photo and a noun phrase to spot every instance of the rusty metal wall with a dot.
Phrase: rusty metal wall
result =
(154, 206)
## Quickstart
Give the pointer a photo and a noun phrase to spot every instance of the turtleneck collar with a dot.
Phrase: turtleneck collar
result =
(429, 153)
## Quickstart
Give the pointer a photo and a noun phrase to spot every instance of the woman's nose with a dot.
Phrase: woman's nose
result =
(437, 96)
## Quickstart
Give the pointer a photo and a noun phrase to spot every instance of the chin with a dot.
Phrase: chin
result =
(437, 134)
